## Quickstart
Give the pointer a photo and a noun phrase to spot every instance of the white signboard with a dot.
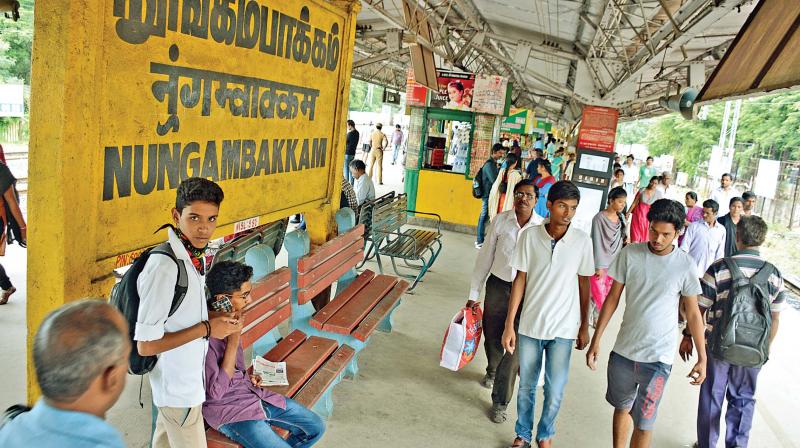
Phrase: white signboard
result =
(489, 96)
(594, 163)
(766, 182)
(591, 203)
(12, 103)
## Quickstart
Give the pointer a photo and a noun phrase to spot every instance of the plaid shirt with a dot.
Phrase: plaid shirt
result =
(716, 283)
(349, 196)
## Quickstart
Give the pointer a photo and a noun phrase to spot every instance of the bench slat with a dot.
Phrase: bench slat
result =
(324, 377)
(354, 311)
(311, 291)
(341, 299)
(269, 283)
(381, 310)
(348, 256)
(329, 249)
(253, 313)
(303, 362)
(263, 327)
(286, 346)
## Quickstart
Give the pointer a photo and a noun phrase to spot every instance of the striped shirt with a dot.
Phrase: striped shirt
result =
(716, 283)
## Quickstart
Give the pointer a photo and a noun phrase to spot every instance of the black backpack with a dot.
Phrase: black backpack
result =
(741, 333)
(477, 185)
(125, 297)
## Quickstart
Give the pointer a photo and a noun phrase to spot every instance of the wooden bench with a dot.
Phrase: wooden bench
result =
(392, 241)
(313, 364)
(362, 304)
(365, 218)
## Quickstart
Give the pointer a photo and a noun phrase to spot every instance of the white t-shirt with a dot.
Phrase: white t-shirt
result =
(654, 286)
(723, 198)
(177, 379)
(631, 173)
(551, 308)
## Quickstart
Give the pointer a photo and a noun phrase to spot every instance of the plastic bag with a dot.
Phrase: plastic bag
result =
(462, 338)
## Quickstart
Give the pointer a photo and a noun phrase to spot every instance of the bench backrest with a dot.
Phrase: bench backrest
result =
(365, 211)
(270, 305)
(389, 217)
(270, 235)
(325, 264)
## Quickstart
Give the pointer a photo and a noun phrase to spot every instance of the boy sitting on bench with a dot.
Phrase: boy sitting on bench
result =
(235, 405)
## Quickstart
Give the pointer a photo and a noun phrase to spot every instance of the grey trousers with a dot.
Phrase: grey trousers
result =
(502, 366)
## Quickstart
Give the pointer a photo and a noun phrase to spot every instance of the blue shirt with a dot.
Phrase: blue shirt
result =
(45, 426)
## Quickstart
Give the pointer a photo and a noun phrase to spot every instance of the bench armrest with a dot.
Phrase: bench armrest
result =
(438, 219)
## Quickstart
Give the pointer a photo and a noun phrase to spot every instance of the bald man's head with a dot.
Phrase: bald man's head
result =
(75, 344)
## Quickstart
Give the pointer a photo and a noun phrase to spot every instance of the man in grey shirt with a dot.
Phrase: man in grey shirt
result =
(659, 278)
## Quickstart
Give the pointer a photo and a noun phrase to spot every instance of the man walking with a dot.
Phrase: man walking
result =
(350, 148)
(646, 172)
(704, 240)
(631, 176)
(749, 203)
(397, 143)
(494, 261)
(554, 313)
(80, 353)
(724, 194)
(378, 143)
(486, 177)
(659, 278)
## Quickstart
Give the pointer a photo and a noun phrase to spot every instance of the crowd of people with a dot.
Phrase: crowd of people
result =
(545, 283)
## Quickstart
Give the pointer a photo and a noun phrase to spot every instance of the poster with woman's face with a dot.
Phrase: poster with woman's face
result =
(455, 90)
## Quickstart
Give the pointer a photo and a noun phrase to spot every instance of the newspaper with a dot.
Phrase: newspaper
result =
(271, 373)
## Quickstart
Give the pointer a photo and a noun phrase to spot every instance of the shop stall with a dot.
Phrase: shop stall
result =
(450, 136)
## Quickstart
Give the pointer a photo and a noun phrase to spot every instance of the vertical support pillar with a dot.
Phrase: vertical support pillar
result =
(61, 197)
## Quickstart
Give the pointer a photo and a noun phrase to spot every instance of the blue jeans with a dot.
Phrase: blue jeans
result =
(395, 153)
(482, 220)
(532, 353)
(347, 174)
(305, 426)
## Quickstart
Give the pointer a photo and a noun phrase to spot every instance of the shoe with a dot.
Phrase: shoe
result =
(519, 443)
(380, 183)
(7, 295)
(478, 245)
(487, 381)
(498, 413)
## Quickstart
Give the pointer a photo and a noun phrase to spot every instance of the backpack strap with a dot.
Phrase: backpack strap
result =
(182, 282)
(737, 277)
(764, 273)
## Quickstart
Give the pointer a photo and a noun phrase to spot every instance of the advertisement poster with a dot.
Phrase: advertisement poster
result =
(416, 94)
(456, 90)
(598, 128)
(489, 96)
(519, 122)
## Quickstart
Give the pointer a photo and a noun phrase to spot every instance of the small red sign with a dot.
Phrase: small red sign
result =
(598, 128)
(416, 94)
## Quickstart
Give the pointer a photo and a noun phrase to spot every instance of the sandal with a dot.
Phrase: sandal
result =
(519, 442)
(7, 295)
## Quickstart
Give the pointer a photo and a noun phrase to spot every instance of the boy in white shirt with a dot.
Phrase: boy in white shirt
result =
(181, 340)
(555, 311)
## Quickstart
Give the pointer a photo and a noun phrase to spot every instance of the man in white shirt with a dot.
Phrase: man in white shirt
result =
(631, 177)
(180, 340)
(665, 186)
(365, 189)
(724, 194)
(704, 240)
(494, 261)
(749, 203)
(659, 278)
(555, 311)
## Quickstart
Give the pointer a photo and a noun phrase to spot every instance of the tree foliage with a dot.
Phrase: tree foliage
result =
(769, 126)
(16, 41)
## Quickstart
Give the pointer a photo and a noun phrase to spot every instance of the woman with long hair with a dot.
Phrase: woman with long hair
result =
(637, 215)
(543, 181)
(8, 201)
(501, 196)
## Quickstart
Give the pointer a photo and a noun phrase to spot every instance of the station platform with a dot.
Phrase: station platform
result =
(402, 398)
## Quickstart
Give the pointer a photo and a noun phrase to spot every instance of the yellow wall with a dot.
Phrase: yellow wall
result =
(449, 195)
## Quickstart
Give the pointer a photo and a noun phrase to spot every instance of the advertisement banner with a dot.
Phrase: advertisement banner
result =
(416, 94)
(489, 96)
(519, 122)
(456, 90)
(598, 128)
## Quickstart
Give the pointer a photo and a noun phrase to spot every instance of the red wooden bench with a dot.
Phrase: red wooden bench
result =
(313, 364)
(362, 304)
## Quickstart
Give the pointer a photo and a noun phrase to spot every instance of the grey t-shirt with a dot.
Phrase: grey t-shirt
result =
(653, 287)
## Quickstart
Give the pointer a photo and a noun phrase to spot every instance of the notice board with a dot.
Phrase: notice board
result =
(598, 128)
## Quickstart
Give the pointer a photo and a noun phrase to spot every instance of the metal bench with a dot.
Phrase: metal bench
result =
(362, 304)
(365, 218)
(313, 364)
(408, 245)
(250, 247)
